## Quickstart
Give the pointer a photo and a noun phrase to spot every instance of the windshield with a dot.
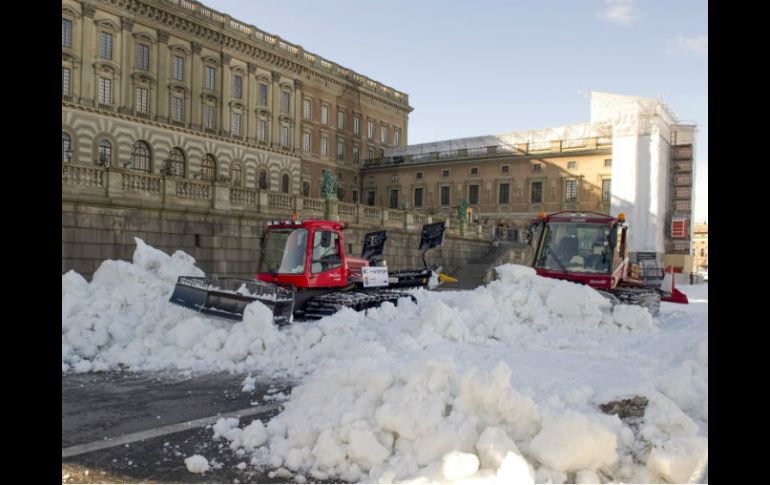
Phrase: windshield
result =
(575, 247)
(284, 251)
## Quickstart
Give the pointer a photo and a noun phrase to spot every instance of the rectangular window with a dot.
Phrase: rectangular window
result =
(384, 134)
(606, 190)
(394, 199)
(356, 124)
(306, 109)
(608, 162)
(537, 167)
(143, 57)
(262, 130)
(237, 87)
(445, 195)
(369, 197)
(179, 68)
(208, 117)
(396, 136)
(370, 128)
(473, 194)
(324, 114)
(141, 100)
(65, 81)
(306, 189)
(340, 120)
(306, 142)
(536, 194)
(505, 168)
(285, 101)
(418, 197)
(210, 78)
(340, 151)
(105, 153)
(236, 124)
(505, 193)
(262, 94)
(356, 154)
(370, 154)
(354, 195)
(66, 33)
(418, 176)
(324, 146)
(445, 173)
(105, 90)
(394, 178)
(572, 164)
(177, 108)
(570, 191)
(475, 171)
(284, 136)
(105, 45)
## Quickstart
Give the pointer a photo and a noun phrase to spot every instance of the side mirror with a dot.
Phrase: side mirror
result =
(529, 232)
(613, 237)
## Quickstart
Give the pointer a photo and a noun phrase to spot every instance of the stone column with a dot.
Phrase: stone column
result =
(88, 43)
(126, 64)
(226, 91)
(251, 103)
(161, 110)
(196, 78)
(275, 109)
(297, 132)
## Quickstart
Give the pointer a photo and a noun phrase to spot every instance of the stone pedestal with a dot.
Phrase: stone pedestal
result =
(331, 210)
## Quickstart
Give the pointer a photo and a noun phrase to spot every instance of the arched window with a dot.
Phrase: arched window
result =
(262, 182)
(208, 167)
(236, 175)
(140, 157)
(104, 157)
(175, 165)
(66, 147)
(285, 184)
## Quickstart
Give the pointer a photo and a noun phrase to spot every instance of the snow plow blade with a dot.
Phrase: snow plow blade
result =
(228, 297)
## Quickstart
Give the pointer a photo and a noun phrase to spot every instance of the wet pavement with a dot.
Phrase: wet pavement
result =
(139, 427)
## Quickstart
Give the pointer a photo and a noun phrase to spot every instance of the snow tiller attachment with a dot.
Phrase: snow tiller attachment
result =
(228, 297)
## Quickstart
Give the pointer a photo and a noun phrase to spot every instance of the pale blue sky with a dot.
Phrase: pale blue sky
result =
(482, 67)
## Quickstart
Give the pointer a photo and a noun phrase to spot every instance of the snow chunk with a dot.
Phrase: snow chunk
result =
(493, 446)
(573, 442)
(457, 465)
(253, 435)
(365, 450)
(679, 459)
(514, 273)
(515, 469)
(196, 464)
(632, 317)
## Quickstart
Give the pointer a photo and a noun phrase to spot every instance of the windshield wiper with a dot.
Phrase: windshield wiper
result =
(561, 265)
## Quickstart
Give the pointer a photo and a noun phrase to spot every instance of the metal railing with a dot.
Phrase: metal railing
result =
(489, 151)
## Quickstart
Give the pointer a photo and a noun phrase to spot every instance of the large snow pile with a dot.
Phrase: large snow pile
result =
(502, 383)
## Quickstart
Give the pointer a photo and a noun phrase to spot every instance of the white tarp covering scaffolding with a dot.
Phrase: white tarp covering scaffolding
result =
(641, 130)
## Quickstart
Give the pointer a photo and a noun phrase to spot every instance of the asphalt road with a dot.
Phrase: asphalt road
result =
(139, 427)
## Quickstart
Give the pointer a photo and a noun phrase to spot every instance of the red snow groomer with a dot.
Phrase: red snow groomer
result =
(590, 248)
(304, 271)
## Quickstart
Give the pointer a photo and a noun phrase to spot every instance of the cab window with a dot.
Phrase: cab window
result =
(326, 251)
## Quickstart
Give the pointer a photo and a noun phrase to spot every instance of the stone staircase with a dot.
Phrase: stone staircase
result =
(481, 271)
